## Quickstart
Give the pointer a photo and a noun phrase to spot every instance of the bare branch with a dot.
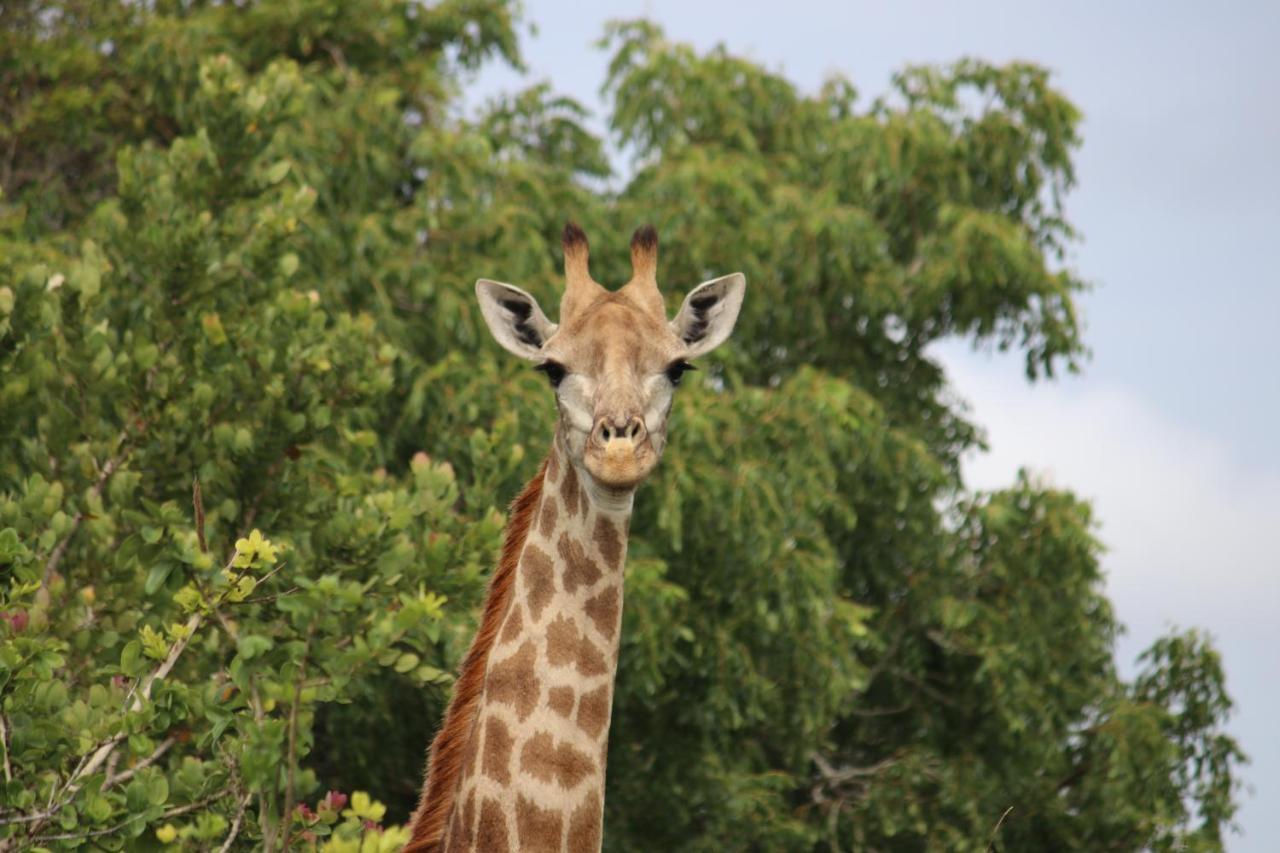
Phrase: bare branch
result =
(991, 840)
(116, 778)
(174, 812)
(197, 501)
(60, 550)
(4, 744)
(293, 741)
(235, 824)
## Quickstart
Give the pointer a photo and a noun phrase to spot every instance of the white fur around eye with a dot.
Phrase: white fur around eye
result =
(658, 398)
(575, 396)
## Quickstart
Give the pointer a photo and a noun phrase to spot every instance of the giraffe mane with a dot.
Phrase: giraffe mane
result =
(444, 762)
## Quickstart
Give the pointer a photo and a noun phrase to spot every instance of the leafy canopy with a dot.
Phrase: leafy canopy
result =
(258, 445)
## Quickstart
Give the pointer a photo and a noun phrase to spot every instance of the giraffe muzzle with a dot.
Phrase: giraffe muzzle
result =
(619, 453)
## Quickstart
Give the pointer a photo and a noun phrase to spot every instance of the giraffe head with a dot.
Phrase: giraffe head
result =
(614, 359)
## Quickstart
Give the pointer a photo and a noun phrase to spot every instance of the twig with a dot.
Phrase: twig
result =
(4, 744)
(263, 599)
(174, 812)
(197, 501)
(116, 778)
(991, 840)
(235, 824)
(60, 550)
(293, 741)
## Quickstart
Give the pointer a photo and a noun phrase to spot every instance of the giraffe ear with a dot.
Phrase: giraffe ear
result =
(709, 312)
(514, 318)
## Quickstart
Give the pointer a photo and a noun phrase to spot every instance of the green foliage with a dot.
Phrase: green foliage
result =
(237, 247)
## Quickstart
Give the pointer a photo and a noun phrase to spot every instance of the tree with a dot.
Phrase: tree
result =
(237, 247)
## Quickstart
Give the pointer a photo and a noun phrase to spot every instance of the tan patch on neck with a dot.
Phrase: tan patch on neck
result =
(538, 829)
(547, 761)
(593, 710)
(603, 612)
(547, 518)
(566, 645)
(553, 464)
(580, 570)
(460, 826)
(511, 628)
(539, 579)
(514, 681)
(498, 743)
(569, 490)
(584, 825)
(608, 542)
(561, 700)
(491, 834)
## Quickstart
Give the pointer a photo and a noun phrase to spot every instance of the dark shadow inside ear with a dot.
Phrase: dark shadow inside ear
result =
(709, 312)
(521, 311)
(698, 309)
(514, 318)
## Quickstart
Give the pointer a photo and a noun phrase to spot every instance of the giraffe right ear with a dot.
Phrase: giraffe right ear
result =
(514, 318)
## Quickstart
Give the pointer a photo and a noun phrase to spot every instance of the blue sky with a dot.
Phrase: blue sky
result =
(1171, 429)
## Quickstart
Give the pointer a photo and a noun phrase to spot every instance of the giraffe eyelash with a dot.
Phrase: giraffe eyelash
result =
(677, 369)
(555, 372)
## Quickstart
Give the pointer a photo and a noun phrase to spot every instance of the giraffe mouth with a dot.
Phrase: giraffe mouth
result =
(620, 464)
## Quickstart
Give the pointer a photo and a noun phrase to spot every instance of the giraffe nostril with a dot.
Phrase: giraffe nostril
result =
(629, 429)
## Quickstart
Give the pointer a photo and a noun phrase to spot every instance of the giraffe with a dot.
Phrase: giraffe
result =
(519, 762)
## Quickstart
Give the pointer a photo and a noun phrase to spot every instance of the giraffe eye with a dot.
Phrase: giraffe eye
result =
(554, 370)
(677, 370)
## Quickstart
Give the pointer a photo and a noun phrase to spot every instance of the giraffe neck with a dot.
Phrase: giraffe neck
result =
(533, 776)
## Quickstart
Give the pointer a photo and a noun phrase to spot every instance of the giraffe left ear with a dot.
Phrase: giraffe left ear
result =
(514, 318)
(709, 312)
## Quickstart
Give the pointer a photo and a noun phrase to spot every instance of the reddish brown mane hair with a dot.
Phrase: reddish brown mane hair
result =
(444, 762)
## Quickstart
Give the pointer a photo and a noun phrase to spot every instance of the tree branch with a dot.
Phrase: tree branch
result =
(292, 758)
(60, 550)
(235, 824)
(113, 779)
(174, 812)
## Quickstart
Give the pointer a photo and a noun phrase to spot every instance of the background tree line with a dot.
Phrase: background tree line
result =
(237, 248)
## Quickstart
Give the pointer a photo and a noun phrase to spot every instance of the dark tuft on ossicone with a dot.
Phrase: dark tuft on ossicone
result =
(645, 239)
(573, 237)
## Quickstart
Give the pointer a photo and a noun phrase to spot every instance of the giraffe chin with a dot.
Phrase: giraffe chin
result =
(620, 467)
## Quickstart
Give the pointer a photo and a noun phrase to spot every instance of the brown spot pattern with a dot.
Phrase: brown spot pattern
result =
(593, 711)
(491, 834)
(553, 465)
(498, 744)
(580, 570)
(473, 749)
(590, 659)
(511, 629)
(603, 612)
(569, 490)
(539, 579)
(469, 813)
(566, 645)
(584, 825)
(460, 826)
(538, 829)
(562, 641)
(561, 700)
(547, 518)
(607, 540)
(457, 838)
(547, 761)
(514, 682)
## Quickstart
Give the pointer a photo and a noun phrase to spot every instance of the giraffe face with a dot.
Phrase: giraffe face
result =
(614, 360)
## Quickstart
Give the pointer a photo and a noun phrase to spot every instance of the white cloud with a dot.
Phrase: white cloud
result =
(1189, 526)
